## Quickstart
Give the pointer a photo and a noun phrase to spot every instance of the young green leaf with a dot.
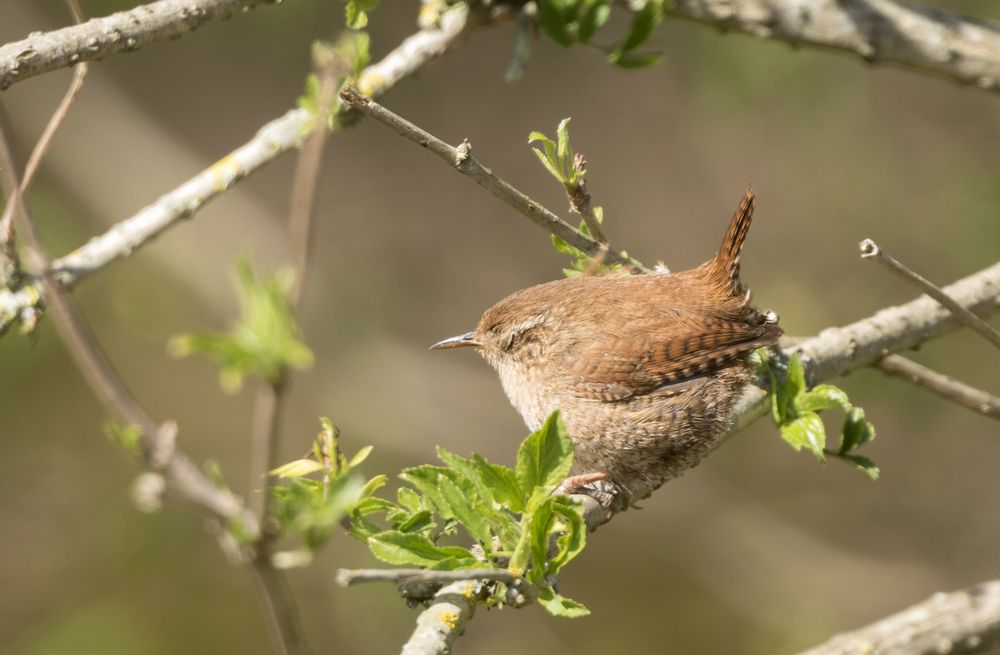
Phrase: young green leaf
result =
(394, 547)
(297, 468)
(863, 464)
(544, 459)
(560, 605)
(462, 508)
(857, 430)
(125, 436)
(502, 483)
(806, 431)
(574, 533)
(538, 540)
(263, 341)
(821, 397)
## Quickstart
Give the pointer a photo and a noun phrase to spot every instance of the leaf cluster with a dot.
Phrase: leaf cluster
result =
(796, 411)
(311, 508)
(263, 341)
(349, 54)
(510, 514)
(560, 160)
(356, 13)
(569, 22)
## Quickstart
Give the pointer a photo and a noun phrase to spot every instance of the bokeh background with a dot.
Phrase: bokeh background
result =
(758, 550)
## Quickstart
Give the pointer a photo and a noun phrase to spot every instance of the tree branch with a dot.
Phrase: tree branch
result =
(444, 620)
(462, 161)
(942, 385)
(966, 621)
(272, 140)
(965, 50)
(101, 37)
(347, 577)
(871, 250)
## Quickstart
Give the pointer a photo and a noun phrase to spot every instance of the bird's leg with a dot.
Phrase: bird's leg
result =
(576, 484)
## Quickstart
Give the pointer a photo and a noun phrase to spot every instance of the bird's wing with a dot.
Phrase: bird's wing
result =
(634, 355)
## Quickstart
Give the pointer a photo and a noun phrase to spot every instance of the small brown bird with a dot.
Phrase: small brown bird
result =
(645, 368)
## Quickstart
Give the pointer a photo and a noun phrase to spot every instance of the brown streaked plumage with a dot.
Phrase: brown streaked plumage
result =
(645, 368)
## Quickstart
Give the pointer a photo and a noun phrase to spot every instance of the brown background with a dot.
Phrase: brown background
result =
(759, 550)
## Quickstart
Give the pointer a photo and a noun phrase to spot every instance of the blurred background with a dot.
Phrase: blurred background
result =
(758, 550)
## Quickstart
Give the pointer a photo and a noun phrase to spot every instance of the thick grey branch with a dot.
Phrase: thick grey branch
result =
(966, 621)
(101, 37)
(445, 619)
(879, 31)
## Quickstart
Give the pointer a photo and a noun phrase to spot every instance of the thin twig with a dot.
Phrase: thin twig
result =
(944, 386)
(272, 140)
(271, 393)
(871, 250)
(581, 202)
(98, 38)
(966, 621)
(185, 479)
(348, 577)
(462, 161)
(281, 613)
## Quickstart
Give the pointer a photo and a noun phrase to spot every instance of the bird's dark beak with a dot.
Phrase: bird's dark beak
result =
(467, 340)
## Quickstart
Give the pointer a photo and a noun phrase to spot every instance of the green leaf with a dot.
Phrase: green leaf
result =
(864, 464)
(455, 563)
(360, 456)
(549, 164)
(538, 539)
(426, 478)
(821, 397)
(410, 549)
(544, 459)
(297, 468)
(595, 13)
(796, 378)
(374, 484)
(263, 341)
(806, 431)
(574, 534)
(857, 430)
(560, 605)
(555, 19)
(416, 522)
(356, 13)
(643, 23)
(629, 60)
(461, 506)
(564, 151)
(502, 483)
(128, 437)
(409, 499)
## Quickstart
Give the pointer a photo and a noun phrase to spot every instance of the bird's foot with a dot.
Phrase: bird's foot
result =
(582, 483)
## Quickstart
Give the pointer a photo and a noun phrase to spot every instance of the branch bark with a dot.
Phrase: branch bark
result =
(942, 385)
(461, 160)
(102, 37)
(965, 50)
(272, 140)
(444, 620)
(966, 621)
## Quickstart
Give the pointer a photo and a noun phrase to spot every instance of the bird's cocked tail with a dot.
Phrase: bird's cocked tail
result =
(724, 270)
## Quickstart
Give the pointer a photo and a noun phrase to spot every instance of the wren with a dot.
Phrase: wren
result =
(645, 368)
